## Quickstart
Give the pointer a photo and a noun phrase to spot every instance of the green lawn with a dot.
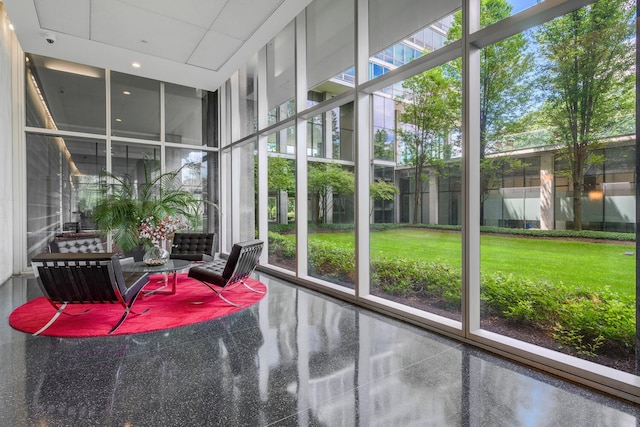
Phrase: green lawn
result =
(581, 264)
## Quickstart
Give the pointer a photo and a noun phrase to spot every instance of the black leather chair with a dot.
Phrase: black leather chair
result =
(79, 278)
(193, 246)
(220, 274)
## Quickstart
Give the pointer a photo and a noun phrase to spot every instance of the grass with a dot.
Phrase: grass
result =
(580, 264)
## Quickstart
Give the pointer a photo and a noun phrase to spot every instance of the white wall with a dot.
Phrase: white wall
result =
(7, 42)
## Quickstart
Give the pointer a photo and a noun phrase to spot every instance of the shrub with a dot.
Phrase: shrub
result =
(432, 279)
(584, 321)
(397, 276)
(521, 299)
(282, 246)
(332, 262)
(281, 228)
(581, 234)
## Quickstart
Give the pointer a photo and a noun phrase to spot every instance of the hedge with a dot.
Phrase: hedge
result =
(585, 321)
(561, 234)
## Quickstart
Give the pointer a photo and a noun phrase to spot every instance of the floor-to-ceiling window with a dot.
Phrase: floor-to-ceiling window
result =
(575, 296)
(496, 145)
(71, 141)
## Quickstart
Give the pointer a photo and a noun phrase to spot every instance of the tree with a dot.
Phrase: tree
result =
(381, 191)
(382, 149)
(280, 175)
(281, 180)
(430, 112)
(589, 76)
(326, 181)
(504, 90)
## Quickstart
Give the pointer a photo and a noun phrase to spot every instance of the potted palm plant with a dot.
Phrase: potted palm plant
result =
(142, 213)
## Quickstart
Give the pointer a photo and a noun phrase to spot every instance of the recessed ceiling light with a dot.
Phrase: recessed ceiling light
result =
(118, 120)
(136, 65)
(126, 92)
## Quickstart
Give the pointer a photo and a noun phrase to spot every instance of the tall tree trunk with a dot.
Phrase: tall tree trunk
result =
(578, 185)
(579, 156)
(577, 209)
(416, 197)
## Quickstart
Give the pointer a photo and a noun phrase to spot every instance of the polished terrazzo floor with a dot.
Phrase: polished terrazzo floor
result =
(296, 359)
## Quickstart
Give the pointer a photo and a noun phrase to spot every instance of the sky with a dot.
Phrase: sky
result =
(520, 5)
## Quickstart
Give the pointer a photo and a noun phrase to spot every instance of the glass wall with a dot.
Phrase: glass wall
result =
(244, 100)
(400, 32)
(330, 48)
(135, 107)
(280, 75)
(331, 188)
(281, 176)
(560, 293)
(447, 184)
(426, 124)
(196, 178)
(187, 111)
(62, 187)
(63, 170)
(63, 95)
(243, 190)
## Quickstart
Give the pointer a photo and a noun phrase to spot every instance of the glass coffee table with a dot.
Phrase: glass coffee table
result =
(170, 267)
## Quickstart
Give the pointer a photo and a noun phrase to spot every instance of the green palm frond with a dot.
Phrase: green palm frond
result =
(123, 203)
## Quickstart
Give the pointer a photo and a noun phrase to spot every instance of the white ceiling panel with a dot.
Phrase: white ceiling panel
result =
(224, 46)
(240, 18)
(201, 13)
(197, 43)
(122, 25)
(64, 16)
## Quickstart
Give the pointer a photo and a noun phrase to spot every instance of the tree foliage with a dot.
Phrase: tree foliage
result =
(430, 111)
(588, 75)
(505, 91)
(380, 191)
(281, 176)
(324, 182)
(382, 148)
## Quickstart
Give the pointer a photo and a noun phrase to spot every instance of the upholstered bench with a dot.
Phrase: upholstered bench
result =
(86, 245)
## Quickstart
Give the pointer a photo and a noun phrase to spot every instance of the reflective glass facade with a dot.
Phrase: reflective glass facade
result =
(68, 147)
(434, 178)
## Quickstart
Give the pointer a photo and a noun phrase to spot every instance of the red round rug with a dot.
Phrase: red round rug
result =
(192, 303)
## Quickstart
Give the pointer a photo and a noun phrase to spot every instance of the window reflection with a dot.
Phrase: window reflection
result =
(399, 32)
(63, 95)
(330, 47)
(184, 107)
(280, 75)
(62, 187)
(135, 107)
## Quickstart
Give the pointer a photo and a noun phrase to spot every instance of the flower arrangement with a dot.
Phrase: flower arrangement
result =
(156, 231)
